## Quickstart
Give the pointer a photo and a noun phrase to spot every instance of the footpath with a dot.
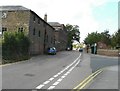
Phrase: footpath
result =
(108, 79)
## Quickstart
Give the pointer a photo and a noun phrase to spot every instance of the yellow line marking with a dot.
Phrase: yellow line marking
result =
(87, 80)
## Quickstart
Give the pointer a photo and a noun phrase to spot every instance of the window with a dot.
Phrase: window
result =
(47, 38)
(44, 25)
(51, 40)
(34, 31)
(4, 15)
(38, 21)
(4, 29)
(39, 33)
(34, 18)
(20, 29)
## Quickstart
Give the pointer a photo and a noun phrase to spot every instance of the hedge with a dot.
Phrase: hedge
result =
(15, 47)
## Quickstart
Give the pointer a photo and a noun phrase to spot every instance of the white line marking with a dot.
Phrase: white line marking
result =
(59, 73)
(51, 79)
(56, 83)
(39, 87)
(70, 69)
(63, 76)
(59, 80)
(51, 87)
(66, 68)
(68, 72)
(46, 82)
(55, 75)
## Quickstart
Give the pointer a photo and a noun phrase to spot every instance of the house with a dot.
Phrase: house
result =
(21, 19)
(102, 45)
(60, 36)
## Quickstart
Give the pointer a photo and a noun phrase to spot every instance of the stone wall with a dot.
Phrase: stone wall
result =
(43, 36)
(33, 26)
(107, 52)
(15, 20)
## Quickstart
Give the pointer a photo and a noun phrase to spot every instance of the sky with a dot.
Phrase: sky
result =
(89, 15)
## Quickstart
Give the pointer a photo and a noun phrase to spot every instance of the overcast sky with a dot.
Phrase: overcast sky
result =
(89, 15)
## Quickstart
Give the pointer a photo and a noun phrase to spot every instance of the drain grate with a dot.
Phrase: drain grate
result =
(30, 75)
(64, 66)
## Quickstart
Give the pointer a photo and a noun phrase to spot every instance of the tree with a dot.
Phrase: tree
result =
(118, 37)
(105, 37)
(96, 37)
(73, 34)
(115, 39)
(92, 38)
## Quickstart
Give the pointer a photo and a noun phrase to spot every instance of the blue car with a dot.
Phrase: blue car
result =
(81, 50)
(52, 50)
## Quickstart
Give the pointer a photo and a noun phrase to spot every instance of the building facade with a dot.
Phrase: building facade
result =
(60, 36)
(21, 19)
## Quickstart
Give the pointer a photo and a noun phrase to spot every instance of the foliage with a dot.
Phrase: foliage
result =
(104, 37)
(73, 33)
(15, 46)
(92, 38)
(115, 39)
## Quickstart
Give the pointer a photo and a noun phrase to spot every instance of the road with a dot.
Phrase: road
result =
(108, 79)
(98, 62)
(62, 71)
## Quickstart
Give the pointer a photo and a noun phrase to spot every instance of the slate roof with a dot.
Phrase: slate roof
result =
(54, 23)
(20, 8)
(12, 8)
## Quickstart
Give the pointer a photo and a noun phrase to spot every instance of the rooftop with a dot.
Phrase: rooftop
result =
(12, 8)
(54, 23)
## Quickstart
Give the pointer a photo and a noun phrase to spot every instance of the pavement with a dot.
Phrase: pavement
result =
(104, 76)
(108, 79)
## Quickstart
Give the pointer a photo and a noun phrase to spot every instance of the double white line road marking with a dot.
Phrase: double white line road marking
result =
(70, 67)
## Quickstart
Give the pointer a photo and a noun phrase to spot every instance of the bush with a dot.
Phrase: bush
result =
(15, 47)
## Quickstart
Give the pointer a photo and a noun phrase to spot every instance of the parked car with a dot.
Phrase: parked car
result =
(81, 50)
(68, 48)
(52, 50)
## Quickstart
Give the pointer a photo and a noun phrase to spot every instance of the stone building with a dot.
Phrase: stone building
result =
(21, 19)
(60, 35)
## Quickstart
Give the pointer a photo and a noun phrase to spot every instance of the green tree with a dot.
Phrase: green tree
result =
(115, 39)
(92, 38)
(73, 34)
(96, 37)
(105, 37)
(118, 37)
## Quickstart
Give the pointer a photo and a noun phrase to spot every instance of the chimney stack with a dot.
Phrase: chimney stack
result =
(45, 17)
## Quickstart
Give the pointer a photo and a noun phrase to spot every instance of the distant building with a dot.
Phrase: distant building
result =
(102, 45)
(60, 35)
(21, 19)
